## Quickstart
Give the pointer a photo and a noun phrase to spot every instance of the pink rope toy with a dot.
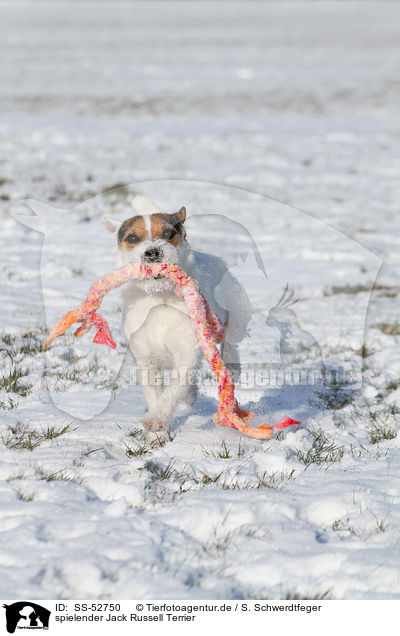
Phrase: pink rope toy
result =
(206, 325)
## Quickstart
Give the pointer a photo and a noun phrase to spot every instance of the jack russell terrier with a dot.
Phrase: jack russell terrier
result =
(156, 324)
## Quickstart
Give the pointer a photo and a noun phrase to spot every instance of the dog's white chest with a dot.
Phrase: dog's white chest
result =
(156, 322)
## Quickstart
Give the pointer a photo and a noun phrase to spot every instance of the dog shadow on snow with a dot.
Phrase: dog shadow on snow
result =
(300, 385)
(299, 402)
(203, 407)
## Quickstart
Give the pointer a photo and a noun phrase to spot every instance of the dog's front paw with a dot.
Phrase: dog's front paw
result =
(152, 424)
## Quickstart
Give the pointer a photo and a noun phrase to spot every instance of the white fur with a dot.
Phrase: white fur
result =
(159, 330)
(147, 225)
(142, 206)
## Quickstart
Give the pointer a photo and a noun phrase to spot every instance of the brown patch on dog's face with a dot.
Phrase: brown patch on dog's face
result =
(169, 227)
(131, 233)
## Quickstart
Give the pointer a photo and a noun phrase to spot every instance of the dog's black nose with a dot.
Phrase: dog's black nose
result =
(152, 255)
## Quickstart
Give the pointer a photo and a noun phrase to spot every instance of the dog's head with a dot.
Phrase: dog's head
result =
(153, 237)
(150, 238)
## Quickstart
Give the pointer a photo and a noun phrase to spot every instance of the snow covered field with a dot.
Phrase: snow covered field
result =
(281, 118)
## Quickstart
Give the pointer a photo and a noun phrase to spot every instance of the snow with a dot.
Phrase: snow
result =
(276, 124)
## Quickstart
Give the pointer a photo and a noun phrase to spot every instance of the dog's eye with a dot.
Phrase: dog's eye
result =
(168, 234)
(131, 238)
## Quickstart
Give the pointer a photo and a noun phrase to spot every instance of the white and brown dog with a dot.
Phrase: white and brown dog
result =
(156, 323)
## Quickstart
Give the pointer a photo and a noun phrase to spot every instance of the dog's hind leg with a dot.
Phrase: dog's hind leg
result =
(230, 355)
(191, 396)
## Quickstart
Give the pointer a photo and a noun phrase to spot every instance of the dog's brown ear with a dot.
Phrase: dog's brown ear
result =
(180, 217)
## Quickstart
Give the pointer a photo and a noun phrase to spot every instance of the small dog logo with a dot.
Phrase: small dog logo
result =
(26, 615)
